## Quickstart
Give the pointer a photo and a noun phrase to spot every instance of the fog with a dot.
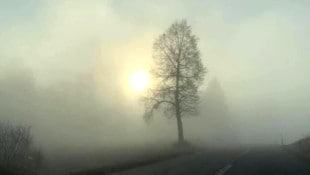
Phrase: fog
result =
(65, 65)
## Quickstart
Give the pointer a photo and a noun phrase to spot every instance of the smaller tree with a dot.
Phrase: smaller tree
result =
(17, 152)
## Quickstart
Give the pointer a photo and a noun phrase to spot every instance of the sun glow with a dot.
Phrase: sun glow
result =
(139, 81)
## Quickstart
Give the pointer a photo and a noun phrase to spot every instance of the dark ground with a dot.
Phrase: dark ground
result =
(271, 160)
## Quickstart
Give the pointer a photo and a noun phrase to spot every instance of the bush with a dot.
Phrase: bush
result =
(17, 153)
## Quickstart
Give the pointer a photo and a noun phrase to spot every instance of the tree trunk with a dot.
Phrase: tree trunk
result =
(177, 108)
(180, 129)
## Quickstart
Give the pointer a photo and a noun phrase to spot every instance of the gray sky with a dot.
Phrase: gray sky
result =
(258, 50)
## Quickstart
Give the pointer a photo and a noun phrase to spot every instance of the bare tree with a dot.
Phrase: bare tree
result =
(16, 150)
(178, 72)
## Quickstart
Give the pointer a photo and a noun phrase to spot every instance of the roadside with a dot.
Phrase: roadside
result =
(200, 160)
(141, 161)
(300, 149)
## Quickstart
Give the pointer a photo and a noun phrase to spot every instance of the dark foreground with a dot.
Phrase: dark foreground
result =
(255, 161)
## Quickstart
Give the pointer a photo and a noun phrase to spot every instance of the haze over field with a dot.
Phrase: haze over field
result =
(66, 66)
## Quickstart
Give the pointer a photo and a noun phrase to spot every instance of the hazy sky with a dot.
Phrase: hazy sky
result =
(259, 52)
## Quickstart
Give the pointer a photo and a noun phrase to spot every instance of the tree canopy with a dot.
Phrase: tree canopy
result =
(178, 72)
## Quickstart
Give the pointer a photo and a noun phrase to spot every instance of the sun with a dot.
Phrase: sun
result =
(139, 81)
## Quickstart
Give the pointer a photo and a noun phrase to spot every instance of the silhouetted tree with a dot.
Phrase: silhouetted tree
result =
(16, 150)
(178, 72)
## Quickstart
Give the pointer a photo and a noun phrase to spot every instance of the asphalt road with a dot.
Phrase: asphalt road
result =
(254, 161)
(269, 161)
